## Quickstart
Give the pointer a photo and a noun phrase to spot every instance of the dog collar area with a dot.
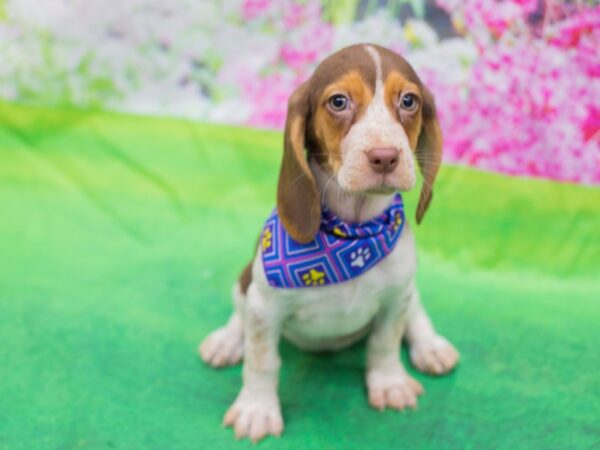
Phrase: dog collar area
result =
(339, 252)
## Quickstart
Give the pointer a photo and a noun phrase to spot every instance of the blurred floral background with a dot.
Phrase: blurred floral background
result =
(517, 82)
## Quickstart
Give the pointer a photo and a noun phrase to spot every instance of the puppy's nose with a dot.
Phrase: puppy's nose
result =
(383, 160)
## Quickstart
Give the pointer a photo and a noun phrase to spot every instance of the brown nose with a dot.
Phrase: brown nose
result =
(383, 160)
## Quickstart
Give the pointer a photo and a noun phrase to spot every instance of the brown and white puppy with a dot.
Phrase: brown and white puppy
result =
(352, 135)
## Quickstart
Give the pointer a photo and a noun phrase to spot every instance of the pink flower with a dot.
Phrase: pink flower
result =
(307, 40)
(297, 57)
(591, 124)
(252, 9)
(529, 105)
(579, 26)
(294, 15)
(269, 95)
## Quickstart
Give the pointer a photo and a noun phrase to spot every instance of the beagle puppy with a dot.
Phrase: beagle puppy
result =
(353, 133)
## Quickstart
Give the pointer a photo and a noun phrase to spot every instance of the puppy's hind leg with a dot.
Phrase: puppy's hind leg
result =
(225, 346)
(429, 352)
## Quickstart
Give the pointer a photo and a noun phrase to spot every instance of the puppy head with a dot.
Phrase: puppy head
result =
(365, 117)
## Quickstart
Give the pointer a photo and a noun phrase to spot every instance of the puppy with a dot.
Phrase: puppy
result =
(336, 260)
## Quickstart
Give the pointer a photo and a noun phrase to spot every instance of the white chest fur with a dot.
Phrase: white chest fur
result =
(333, 316)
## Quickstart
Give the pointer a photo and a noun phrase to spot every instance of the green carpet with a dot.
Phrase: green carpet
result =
(120, 238)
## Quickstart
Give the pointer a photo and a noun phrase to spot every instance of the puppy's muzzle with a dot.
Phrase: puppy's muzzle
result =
(383, 160)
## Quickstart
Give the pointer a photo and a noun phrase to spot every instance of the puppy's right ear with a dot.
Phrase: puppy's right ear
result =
(297, 195)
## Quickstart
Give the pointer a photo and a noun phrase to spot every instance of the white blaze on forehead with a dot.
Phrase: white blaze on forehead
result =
(377, 60)
(378, 125)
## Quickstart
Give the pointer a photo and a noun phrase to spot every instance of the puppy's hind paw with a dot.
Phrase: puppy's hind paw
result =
(223, 347)
(434, 355)
(395, 389)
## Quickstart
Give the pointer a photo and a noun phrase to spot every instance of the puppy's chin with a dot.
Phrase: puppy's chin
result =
(406, 184)
(383, 189)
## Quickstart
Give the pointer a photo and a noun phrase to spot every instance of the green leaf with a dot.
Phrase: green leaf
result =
(340, 11)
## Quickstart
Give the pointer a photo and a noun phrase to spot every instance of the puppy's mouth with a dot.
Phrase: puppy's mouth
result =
(384, 186)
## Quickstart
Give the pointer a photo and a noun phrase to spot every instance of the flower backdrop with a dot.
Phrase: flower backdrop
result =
(517, 82)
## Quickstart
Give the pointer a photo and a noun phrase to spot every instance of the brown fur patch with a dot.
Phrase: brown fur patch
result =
(297, 197)
(328, 129)
(258, 344)
(395, 86)
(245, 278)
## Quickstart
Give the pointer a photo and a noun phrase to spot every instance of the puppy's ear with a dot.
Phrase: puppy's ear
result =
(429, 152)
(297, 195)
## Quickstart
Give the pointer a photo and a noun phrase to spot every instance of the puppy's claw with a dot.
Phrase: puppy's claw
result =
(377, 398)
(416, 386)
(275, 424)
(230, 417)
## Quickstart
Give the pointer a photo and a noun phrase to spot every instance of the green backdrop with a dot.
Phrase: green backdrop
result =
(120, 238)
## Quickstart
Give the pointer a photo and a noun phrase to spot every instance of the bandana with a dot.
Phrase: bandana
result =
(340, 251)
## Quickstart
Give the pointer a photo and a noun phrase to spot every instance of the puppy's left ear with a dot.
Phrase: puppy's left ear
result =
(298, 202)
(429, 152)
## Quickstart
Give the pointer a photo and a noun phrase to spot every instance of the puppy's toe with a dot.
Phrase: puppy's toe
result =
(258, 428)
(399, 398)
(275, 423)
(377, 397)
(223, 347)
(242, 425)
(434, 355)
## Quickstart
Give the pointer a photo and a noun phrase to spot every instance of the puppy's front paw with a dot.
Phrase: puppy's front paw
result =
(434, 355)
(223, 347)
(255, 416)
(394, 389)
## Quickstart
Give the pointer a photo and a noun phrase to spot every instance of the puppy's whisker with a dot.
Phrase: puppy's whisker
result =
(325, 188)
(303, 174)
(426, 158)
(427, 171)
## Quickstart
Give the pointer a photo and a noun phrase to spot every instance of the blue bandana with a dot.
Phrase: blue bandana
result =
(340, 251)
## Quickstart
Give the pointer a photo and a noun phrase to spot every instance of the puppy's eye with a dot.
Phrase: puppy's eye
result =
(408, 102)
(338, 102)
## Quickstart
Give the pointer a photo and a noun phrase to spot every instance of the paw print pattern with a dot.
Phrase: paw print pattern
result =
(266, 239)
(397, 222)
(313, 278)
(360, 257)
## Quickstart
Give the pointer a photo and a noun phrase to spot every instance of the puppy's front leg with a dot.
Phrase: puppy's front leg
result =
(387, 381)
(256, 411)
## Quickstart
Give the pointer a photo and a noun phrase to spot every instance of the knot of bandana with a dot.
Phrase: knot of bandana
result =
(340, 251)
